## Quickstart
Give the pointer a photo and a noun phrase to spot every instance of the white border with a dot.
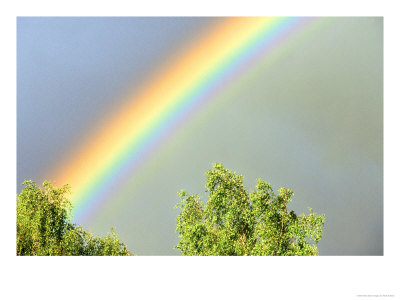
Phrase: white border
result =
(189, 277)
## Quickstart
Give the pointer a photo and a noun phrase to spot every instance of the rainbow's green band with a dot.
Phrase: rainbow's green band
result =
(182, 88)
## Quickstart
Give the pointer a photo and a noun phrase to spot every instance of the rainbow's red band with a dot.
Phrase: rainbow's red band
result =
(177, 88)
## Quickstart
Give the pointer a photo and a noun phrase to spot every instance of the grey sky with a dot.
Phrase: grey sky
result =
(310, 119)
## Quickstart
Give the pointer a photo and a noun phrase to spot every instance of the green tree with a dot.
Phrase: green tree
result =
(236, 222)
(44, 226)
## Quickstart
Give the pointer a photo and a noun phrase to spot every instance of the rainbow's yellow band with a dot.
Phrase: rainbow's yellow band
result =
(176, 88)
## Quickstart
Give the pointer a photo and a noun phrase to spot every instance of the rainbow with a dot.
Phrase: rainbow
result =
(184, 86)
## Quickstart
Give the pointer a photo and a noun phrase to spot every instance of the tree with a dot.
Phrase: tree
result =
(44, 226)
(236, 222)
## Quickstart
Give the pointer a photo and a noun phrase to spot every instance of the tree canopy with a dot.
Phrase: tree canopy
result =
(44, 226)
(236, 222)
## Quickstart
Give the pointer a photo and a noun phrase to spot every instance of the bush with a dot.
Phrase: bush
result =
(236, 222)
(44, 226)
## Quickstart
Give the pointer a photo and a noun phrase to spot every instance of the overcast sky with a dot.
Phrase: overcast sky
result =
(310, 118)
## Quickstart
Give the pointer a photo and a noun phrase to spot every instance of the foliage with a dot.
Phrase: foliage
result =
(44, 226)
(236, 222)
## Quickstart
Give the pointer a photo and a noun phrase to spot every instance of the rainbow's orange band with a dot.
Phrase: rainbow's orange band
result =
(179, 84)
